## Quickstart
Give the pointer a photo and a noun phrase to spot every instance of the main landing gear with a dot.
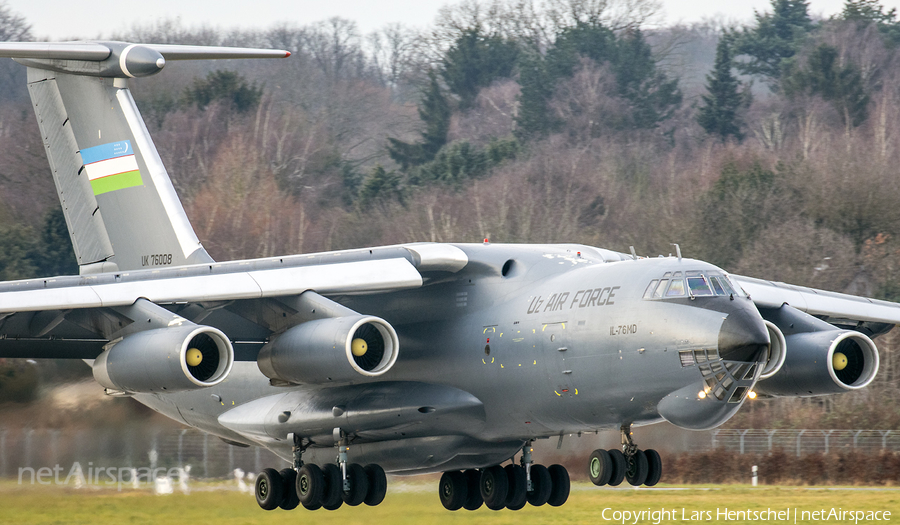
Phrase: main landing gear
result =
(327, 487)
(638, 467)
(507, 487)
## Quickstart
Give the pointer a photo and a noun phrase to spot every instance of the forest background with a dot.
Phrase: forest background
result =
(770, 149)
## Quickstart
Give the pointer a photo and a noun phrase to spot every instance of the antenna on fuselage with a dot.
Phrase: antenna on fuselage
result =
(677, 251)
(633, 253)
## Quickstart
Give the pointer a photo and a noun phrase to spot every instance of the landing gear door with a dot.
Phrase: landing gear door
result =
(554, 339)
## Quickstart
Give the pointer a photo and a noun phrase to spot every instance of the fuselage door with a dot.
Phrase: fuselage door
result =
(555, 352)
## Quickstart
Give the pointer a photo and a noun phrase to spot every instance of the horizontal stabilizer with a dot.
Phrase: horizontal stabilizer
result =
(120, 59)
(55, 50)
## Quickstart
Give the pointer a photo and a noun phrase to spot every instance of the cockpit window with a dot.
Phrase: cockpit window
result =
(717, 286)
(676, 289)
(661, 289)
(695, 283)
(698, 286)
(648, 293)
(726, 285)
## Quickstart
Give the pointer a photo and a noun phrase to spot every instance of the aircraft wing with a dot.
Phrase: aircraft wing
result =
(836, 308)
(65, 316)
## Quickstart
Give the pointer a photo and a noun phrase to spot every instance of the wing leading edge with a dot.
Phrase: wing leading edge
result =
(820, 303)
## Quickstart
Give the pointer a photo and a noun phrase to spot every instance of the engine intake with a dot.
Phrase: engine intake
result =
(334, 350)
(166, 360)
(777, 351)
(827, 362)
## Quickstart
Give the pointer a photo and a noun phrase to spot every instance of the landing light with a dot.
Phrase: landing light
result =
(702, 394)
(751, 395)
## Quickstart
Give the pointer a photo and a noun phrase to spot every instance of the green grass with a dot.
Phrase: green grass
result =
(417, 503)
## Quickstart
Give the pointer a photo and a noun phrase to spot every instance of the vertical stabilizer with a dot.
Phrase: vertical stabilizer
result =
(120, 206)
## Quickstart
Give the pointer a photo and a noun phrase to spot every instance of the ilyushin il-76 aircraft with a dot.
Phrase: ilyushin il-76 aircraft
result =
(414, 358)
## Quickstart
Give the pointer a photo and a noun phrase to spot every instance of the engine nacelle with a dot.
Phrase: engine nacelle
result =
(826, 362)
(777, 351)
(344, 350)
(166, 360)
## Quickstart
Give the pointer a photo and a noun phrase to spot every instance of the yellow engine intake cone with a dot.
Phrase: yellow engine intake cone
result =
(839, 361)
(358, 347)
(194, 357)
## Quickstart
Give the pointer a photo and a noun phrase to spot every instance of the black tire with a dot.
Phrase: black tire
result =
(494, 487)
(377, 485)
(473, 490)
(452, 490)
(310, 485)
(334, 486)
(559, 491)
(618, 468)
(289, 499)
(654, 467)
(541, 485)
(269, 489)
(515, 496)
(636, 469)
(600, 467)
(359, 485)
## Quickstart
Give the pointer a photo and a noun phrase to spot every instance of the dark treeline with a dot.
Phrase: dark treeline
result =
(768, 148)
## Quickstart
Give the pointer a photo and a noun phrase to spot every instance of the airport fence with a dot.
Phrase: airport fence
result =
(211, 458)
(208, 456)
(804, 441)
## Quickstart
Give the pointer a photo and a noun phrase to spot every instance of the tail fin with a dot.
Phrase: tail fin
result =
(120, 206)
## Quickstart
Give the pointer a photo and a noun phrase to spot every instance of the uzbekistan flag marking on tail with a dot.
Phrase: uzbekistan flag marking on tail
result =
(111, 167)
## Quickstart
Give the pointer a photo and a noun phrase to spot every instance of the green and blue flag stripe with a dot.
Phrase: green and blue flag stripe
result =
(111, 167)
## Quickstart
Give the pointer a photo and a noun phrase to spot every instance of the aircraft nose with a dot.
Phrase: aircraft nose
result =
(743, 337)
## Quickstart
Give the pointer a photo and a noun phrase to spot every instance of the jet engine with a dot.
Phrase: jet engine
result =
(777, 351)
(168, 359)
(346, 350)
(826, 362)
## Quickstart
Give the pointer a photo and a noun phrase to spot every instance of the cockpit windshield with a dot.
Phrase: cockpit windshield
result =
(692, 284)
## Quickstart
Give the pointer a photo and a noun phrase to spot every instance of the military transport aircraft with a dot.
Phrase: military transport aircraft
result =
(414, 358)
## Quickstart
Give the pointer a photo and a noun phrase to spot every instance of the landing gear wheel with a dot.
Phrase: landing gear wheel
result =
(269, 489)
(618, 470)
(515, 496)
(453, 490)
(600, 467)
(310, 486)
(331, 497)
(636, 470)
(359, 485)
(654, 467)
(377, 485)
(289, 499)
(474, 500)
(494, 487)
(559, 490)
(541, 485)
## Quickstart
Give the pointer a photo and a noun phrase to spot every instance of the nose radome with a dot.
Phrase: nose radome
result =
(743, 337)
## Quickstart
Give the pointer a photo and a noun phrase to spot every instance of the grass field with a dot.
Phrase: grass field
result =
(417, 503)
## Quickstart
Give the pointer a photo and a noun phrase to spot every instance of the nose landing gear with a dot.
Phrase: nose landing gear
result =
(638, 467)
